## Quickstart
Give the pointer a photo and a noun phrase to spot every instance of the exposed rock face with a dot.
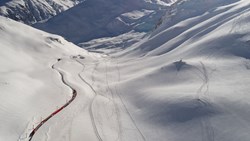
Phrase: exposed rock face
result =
(32, 11)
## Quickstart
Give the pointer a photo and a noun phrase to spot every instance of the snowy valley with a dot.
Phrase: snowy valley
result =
(128, 70)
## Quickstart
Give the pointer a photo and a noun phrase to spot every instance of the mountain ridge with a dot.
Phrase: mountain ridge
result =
(32, 11)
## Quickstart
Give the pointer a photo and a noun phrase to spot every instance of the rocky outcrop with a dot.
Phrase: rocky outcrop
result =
(33, 11)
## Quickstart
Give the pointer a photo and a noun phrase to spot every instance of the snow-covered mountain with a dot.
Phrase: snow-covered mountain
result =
(187, 80)
(186, 24)
(28, 84)
(32, 11)
(105, 18)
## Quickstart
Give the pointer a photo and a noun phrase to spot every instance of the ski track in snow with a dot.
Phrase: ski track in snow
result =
(47, 135)
(73, 97)
(93, 121)
(204, 101)
(117, 112)
(118, 93)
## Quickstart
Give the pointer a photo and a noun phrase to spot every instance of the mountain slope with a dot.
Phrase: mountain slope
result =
(98, 18)
(188, 25)
(30, 88)
(186, 80)
(40, 73)
(32, 11)
(189, 79)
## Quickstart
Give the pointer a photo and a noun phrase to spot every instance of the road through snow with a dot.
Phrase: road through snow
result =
(74, 94)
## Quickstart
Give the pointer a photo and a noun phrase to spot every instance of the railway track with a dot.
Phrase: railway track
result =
(74, 94)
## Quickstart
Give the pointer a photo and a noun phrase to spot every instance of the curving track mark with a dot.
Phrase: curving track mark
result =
(205, 85)
(74, 94)
(203, 98)
(123, 103)
(118, 116)
(93, 122)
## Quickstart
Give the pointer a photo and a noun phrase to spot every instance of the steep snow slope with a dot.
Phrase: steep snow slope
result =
(98, 18)
(41, 72)
(189, 79)
(185, 24)
(32, 11)
(30, 88)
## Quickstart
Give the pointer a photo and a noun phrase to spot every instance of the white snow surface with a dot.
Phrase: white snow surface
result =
(189, 79)
(186, 80)
(30, 88)
(32, 11)
(118, 42)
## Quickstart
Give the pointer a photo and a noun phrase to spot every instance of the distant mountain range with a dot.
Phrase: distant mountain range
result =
(85, 20)
(32, 11)
(105, 18)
